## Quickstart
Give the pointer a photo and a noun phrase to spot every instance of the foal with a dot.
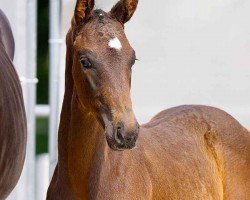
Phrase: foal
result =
(187, 152)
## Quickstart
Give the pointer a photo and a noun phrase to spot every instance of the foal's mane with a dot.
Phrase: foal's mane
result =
(66, 107)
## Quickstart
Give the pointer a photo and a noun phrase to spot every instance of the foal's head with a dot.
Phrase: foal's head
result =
(102, 62)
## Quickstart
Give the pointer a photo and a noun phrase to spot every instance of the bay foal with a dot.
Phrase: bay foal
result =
(187, 152)
(13, 131)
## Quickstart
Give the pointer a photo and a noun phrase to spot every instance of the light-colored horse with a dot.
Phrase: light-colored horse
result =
(187, 152)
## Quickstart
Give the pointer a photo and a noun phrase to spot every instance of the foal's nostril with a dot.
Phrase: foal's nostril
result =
(119, 133)
(123, 137)
(129, 139)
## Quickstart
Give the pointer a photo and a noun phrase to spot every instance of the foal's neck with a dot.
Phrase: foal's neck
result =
(85, 135)
(80, 135)
(85, 140)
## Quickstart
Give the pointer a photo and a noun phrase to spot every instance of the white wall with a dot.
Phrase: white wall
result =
(190, 52)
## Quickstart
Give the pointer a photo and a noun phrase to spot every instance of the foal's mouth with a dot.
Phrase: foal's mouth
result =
(118, 139)
(120, 147)
(120, 136)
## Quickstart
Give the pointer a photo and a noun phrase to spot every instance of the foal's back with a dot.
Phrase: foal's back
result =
(197, 152)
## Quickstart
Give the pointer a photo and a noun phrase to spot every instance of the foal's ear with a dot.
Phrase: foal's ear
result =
(124, 10)
(83, 9)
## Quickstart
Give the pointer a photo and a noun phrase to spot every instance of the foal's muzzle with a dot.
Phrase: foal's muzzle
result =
(122, 136)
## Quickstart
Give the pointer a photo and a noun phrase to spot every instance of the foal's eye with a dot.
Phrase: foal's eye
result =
(85, 63)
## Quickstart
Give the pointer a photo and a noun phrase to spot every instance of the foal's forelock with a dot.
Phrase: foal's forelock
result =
(102, 26)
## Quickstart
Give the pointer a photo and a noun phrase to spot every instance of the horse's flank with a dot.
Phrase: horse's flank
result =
(12, 118)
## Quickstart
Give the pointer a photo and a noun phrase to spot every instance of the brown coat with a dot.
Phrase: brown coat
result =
(187, 152)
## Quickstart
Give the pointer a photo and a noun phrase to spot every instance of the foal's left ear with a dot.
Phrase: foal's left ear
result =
(124, 10)
(82, 9)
